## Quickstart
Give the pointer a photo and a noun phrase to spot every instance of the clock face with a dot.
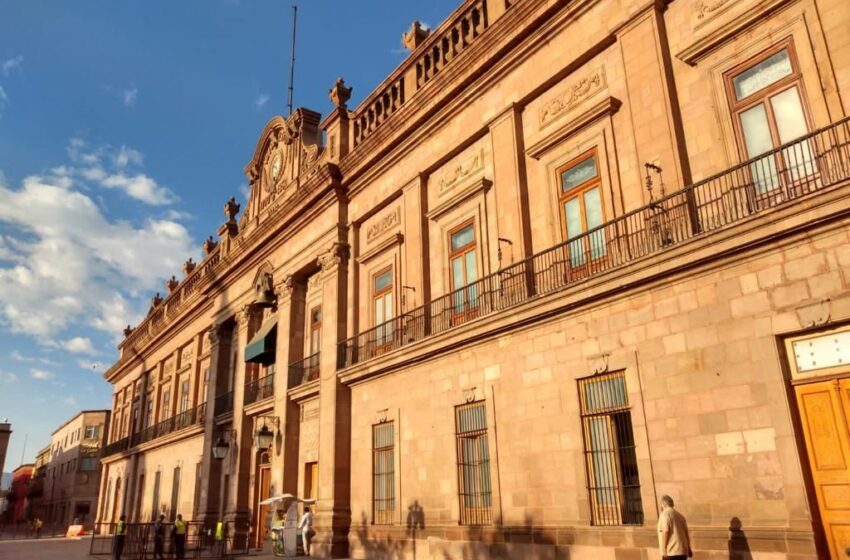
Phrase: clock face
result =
(277, 162)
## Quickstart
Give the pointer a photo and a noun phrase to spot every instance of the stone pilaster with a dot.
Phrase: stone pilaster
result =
(333, 515)
(211, 469)
(285, 458)
(238, 460)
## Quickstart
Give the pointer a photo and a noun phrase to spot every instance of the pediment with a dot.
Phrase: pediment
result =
(287, 149)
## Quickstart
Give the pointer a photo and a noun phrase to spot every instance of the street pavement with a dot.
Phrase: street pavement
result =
(45, 549)
(71, 549)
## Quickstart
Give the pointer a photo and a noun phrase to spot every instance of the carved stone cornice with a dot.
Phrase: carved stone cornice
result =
(336, 255)
(242, 317)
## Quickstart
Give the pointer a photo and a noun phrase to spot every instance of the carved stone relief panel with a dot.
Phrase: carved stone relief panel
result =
(186, 354)
(471, 164)
(583, 87)
(378, 227)
(704, 11)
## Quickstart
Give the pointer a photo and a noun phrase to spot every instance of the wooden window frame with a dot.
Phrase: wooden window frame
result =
(384, 479)
(476, 503)
(762, 97)
(384, 341)
(603, 514)
(315, 327)
(578, 192)
(469, 310)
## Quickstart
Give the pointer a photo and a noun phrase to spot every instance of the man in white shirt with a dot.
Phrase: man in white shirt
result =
(674, 539)
(306, 527)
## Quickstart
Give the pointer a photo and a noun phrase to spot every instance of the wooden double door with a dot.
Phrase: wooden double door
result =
(825, 418)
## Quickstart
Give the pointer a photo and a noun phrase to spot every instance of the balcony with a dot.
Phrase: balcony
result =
(304, 371)
(192, 417)
(223, 404)
(261, 389)
(776, 178)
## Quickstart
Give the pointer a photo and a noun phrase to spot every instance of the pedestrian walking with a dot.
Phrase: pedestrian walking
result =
(159, 538)
(179, 533)
(38, 525)
(306, 527)
(120, 534)
(674, 539)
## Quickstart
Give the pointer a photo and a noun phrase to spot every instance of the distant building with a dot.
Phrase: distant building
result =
(5, 434)
(66, 473)
(17, 509)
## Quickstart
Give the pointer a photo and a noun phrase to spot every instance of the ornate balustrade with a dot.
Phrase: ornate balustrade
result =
(775, 178)
(428, 59)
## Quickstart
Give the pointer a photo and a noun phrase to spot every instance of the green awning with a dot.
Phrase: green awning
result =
(261, 348)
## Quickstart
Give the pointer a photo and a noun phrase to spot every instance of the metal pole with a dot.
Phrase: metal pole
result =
(292, 62)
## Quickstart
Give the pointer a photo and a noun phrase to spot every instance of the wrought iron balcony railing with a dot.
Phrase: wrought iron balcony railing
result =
(774, 178)
(223, 404)
(260, 389)
(304, 371)
(192, 417)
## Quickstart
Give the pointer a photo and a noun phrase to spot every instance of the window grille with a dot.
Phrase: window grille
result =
(383, 473)
(473, 464)
(613, 483)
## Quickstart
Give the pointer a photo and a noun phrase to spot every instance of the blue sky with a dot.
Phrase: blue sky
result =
(124, 126)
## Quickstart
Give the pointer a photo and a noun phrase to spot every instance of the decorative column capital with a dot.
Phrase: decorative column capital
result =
(283, 290)
(242, 317)
(215, 333)
(336, 255)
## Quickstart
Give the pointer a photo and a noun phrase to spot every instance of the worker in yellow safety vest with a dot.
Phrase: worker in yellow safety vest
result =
(179, 533)
(120, 534)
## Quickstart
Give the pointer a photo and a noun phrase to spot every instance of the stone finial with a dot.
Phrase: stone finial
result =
(231, 208)
(413, 38)
(156, 300)
(340, 94)
(209, 245)
(128, 330)
(189, 266)
(172, 284)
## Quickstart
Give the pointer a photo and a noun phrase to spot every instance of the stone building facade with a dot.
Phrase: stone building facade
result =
(66, 477)
(566, 258)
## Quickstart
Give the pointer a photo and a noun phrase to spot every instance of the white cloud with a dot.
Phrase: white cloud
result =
(96, 367)
(79, 345)
(176, 215)
(72, 265)
(245, 191)
(10, 64)
(91, 162)
(7, 377)
(4, 99)
(126, 156)
(261, 100)
(129, 95)
(141, 187)
(41, 374)
(69, 401)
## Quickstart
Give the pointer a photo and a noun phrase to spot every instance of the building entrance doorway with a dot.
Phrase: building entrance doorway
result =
(263, 521)
(819, 365)
(825, 419)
